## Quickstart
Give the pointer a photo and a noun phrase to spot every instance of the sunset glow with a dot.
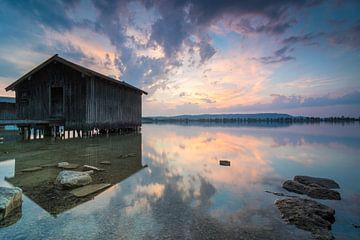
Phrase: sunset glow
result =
(198, 56)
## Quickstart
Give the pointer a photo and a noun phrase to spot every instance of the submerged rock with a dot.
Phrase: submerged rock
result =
(89, 189)
(308, 215)
(296, 187)
(10, 200)
(105, 162)
(313, 187)
(88, 167)
(323, 182)
(72, 179)
(62, 164)
(71, 166)
(66, 165)
(323, 193)
(49, 165)
(33, 169)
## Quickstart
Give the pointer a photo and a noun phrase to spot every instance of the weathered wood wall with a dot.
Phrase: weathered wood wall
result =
(88, 102)
(110, 105)
(35, 104)
(7, 111)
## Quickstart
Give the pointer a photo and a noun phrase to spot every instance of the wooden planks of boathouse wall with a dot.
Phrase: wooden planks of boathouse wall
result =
(33, 95)
(111, 106)
(88, 101)
(7, 111)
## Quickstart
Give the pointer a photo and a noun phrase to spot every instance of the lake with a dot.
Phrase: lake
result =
(172, 186)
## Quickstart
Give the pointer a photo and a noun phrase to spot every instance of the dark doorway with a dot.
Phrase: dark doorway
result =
(57, 102)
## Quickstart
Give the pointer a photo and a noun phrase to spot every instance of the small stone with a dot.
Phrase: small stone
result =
(323, 182)
(105, 162)
(72, 179)
(33, 169)
(88, 167)
(89, 189)
(224, 163)
(10, 199)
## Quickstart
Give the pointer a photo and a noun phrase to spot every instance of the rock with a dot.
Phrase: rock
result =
(323, 182)
(312, 190)
(12, 218)
(224, 163)
(323, 193)
(88, 167)
(66, 165)
(279, 194)
(89, 189)
(72, 179)
(33, 169)
(62, 164)
(296, 187)
(105, 162)
(71, 166)
(308, 215)
(10, 200)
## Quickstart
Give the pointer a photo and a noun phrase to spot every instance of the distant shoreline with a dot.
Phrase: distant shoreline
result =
(248, 118)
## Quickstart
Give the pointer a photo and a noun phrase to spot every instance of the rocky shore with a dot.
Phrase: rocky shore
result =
(308, 214)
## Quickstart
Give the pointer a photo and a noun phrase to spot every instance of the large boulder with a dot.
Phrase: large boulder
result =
(10, 200)
(313, 187)
(323, 182)
(73, 179)
(308, 215)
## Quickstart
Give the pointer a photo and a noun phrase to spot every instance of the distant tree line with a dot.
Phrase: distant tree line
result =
(341, 119)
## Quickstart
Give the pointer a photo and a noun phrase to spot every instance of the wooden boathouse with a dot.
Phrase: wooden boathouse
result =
(59, 93)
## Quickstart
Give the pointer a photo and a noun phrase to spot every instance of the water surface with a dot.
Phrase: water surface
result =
(174, 188)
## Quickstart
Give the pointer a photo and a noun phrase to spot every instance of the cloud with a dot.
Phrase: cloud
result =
(49, 13)
(280, 55)
(304, 39)
(296, 101)
(349, 37)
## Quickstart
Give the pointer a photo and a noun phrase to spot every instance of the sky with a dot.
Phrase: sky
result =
(198, 56)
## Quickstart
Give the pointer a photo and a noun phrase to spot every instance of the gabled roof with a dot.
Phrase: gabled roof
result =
(77, 67)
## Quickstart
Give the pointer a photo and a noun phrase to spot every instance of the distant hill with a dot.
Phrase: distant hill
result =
(7, 99)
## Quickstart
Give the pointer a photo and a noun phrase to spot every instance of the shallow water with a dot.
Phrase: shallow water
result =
(183, 192)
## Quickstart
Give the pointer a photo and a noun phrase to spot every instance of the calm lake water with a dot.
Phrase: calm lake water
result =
(174, 187)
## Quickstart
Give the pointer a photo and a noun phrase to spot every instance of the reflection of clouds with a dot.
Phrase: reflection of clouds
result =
(201, 154)
(154, 189)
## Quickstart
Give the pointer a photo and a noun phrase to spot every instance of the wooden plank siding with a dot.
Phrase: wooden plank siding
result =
(112, 106)
(89, 101)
